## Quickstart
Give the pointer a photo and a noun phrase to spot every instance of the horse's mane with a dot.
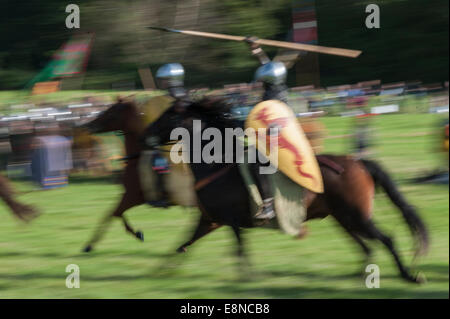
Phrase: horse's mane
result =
(128, 103)
(215, 109)
(212, 105)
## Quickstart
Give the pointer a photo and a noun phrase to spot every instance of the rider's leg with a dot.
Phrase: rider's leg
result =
(163, 194)
(263, 183)
(160, 167)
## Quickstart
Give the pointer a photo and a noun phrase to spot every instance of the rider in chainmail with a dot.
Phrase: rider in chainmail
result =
(169, 77)
(273, 76)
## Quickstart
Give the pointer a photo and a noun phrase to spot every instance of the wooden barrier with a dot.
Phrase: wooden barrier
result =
(45, 87)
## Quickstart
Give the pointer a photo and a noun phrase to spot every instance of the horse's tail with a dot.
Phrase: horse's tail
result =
(415, 223)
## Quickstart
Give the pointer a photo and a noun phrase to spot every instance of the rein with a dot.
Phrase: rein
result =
(158, 148)
(324, 160)
(131, 157)
(138, 155)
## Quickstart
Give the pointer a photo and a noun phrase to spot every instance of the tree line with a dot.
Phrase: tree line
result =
(411, 43)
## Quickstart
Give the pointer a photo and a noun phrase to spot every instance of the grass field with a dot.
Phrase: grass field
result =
(33, 258)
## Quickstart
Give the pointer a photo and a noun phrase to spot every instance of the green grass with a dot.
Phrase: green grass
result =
(33, 257)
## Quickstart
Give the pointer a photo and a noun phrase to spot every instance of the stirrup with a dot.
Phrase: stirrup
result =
(266, 213)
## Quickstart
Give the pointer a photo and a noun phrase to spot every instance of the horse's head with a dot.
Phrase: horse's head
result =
(121, 116)
(211, 111)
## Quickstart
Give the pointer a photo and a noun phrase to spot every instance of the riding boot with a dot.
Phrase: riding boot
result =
(163, 196)
(262, 182)
(161, 168)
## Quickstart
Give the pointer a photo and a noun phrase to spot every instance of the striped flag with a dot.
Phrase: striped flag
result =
(304, 25)
(304, 21)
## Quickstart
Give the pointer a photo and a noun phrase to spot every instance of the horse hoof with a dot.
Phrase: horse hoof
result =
(140, 235)
(181, 250)
(303, 233)
(87, 249)
(420, 278)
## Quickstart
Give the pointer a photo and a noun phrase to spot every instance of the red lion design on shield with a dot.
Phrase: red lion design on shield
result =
(282, 141)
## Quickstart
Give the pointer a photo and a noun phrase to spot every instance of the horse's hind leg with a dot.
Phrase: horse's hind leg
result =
(366, 250)
(174, 260)
(204, 227)
(372, 232)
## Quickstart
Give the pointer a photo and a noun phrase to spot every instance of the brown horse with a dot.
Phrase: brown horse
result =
(349, 188)
(22, 211)
(124, 117)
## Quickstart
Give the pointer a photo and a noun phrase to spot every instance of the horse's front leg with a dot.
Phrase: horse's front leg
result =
(138, 234)
(174, 260)
(244, 264)
(204, 227)
(128, 201)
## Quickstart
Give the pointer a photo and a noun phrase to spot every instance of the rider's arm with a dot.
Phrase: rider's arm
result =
(257, 51)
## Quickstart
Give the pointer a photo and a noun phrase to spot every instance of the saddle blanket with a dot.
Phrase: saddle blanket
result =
(288, 197)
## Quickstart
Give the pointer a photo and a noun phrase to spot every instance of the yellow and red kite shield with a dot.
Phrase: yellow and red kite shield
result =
(155, 107)
(296, 157)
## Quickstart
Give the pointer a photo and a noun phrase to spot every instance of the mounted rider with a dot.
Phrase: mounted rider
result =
(295, 157)
(272, 74)
(169, 77)
(273, 77)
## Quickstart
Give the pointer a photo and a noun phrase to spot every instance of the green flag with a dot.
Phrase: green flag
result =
(69, 60)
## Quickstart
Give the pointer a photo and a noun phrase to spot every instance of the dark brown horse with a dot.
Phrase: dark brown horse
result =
(22, 211)
(348, 197)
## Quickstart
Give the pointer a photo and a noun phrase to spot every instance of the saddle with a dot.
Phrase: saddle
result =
(324, 160)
